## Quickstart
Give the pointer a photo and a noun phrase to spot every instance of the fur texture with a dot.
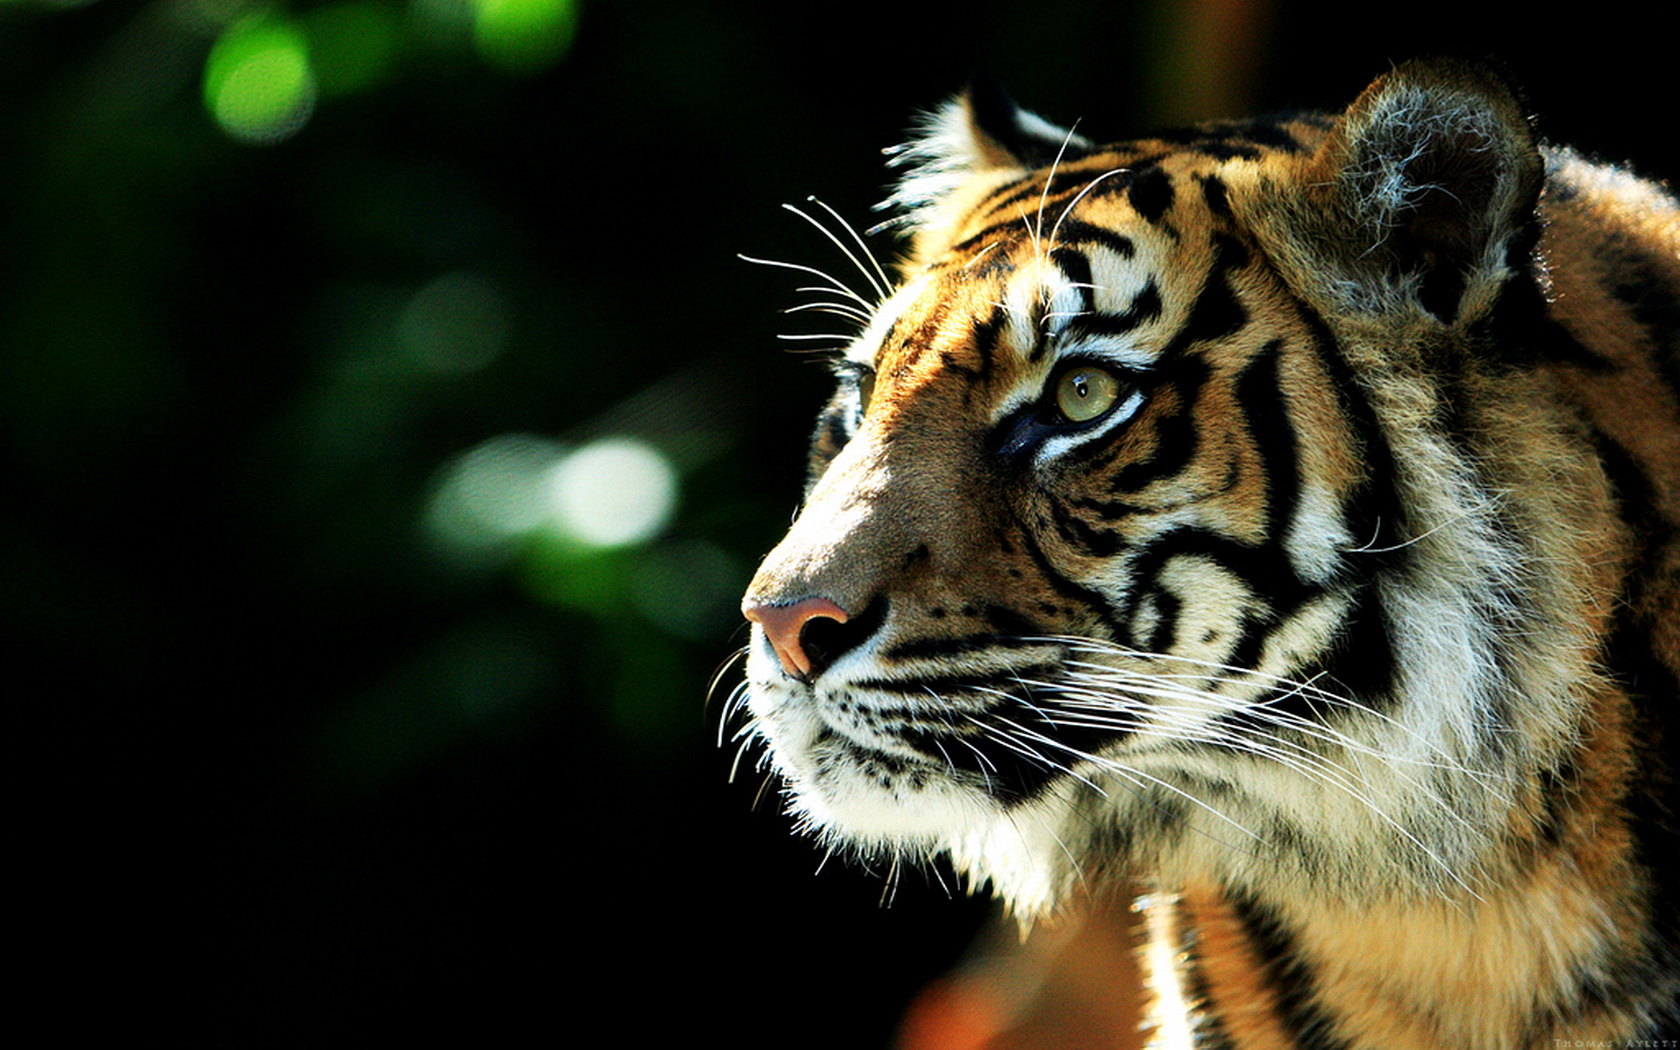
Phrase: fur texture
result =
(1283, 512)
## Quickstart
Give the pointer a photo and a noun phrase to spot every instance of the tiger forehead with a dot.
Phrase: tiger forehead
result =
(1088, 267)
(1157, 183)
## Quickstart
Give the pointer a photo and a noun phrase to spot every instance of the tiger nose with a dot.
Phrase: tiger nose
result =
(802, 657)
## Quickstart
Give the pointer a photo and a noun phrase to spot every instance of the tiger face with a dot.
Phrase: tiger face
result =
(1114, 511)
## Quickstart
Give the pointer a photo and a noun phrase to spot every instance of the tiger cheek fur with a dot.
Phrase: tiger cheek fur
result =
(1282, 512)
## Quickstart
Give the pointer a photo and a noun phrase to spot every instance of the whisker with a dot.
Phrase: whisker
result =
(1049, 180)
(886, 283)
(1160, 687)
(889, 889)
(1282, 752)
(1307, 689)
(722, 669)
(834, 283)
(880, 289)
(735, 765)
(828, 854)
(1114, 766)
(763, 787)
(1032, 233)
(838, 309)
(1089, 186)
(981, 254)
(1468, 513)
(731, 708)
(984, 763)
(843, 340)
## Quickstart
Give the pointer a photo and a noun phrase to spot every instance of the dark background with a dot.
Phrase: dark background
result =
(304, 760)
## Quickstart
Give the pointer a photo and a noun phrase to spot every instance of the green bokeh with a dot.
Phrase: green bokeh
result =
(258, 82)
(523, 36)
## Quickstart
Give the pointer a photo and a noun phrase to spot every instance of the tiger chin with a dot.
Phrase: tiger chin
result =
(1285, 514)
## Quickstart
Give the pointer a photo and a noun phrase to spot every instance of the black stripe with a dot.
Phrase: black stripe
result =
(1289, 976)
(1177, 438)
(1151, 195)
(1144, 308)
(1647, 291)
(1226, 139)
(985, 338)
(902, 334)
(1062, 190)
(1213, 192)
(1374, 515)
(1210, 1033)
(1076, 532)
(1163, 629)
(930, 648)
(1078, 231)
(1360, 662)
(1652, 680)
(1067, 182)
(1262, 569)
(1068, 231)
(1077, 269)
(1218, 312)
(985, 234)
(1092, 601)
(1262, 401)
(1006, 681)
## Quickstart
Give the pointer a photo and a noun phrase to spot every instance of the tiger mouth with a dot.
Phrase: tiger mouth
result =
(1008, 745)
(888, 770)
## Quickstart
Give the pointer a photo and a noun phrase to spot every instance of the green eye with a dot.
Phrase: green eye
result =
(1085, 393)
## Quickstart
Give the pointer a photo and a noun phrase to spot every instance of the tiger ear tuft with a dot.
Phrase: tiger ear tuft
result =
(1427, 181)
(980, 131)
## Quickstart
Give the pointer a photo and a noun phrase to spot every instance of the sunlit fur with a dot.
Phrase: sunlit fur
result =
(1354, 615)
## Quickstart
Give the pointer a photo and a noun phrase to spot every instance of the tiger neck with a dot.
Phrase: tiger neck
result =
(1551, 949)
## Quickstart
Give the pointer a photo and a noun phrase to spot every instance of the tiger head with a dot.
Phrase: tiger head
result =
(1112, 516)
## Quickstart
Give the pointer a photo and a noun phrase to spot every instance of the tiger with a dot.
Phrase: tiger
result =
(1280, 515)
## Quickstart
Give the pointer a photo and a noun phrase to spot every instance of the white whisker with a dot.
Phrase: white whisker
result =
(885, 283)
(834, 283)
(1089, 186)
(838, 309)
(1049, 180)
(880, 286)
(807, 336)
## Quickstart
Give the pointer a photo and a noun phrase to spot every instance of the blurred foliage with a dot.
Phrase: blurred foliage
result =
(389, 430)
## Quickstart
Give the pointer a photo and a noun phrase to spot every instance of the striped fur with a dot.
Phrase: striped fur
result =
(1348, 623)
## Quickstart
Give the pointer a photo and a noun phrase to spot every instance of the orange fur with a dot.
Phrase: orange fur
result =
(1346, 619)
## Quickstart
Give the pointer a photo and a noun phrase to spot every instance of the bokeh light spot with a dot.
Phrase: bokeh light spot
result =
(523, 36)
(258, 84)
(456, 324)
(612, 492)
(492, 495)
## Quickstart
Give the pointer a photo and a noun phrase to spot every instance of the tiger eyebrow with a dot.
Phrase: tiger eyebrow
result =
(1050, 315)
(1121, 354)
(1145, 306)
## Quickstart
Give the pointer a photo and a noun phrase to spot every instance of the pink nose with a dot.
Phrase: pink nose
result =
(783, 625)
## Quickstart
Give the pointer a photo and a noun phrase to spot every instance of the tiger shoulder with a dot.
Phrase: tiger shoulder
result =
(1284, 514)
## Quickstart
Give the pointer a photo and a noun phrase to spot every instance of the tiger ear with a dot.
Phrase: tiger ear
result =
(978, 133)
(1423, 189)
(1006, 136)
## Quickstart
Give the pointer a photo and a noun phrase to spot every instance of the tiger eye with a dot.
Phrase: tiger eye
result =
(1086, 393)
